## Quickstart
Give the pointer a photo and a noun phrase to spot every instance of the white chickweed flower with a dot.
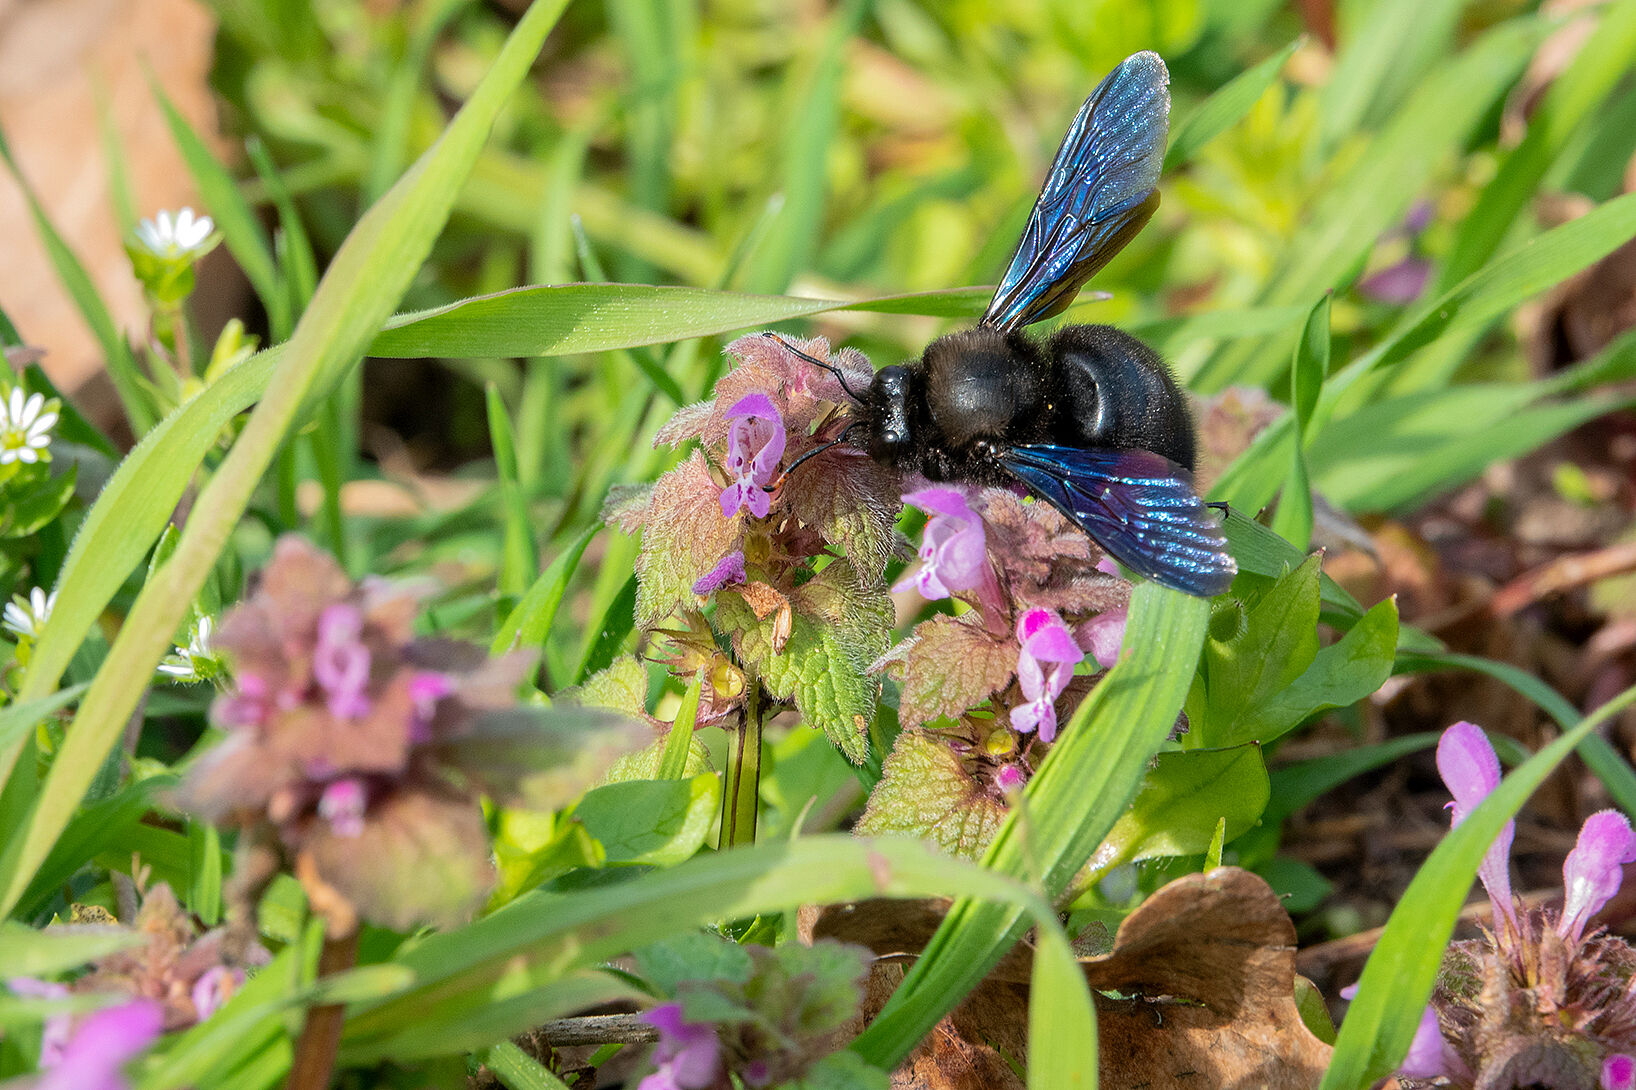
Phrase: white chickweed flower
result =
(174, 234)
(26, 616)
(25, 427)
(184, 663)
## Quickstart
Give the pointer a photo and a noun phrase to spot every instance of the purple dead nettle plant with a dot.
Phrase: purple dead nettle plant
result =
(1542, 998)
(356, 751)
(793, 563)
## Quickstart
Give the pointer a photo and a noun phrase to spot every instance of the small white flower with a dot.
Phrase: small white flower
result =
(26, 616)
(184, 663)
(25, 427)
(174, 234)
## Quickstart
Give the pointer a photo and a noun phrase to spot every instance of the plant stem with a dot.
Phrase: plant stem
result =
(321, 1034)
(742, 781)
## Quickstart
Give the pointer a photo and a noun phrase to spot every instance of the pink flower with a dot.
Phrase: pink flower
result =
(1429, 1055)
(1593, 870)
(755, 443)
(1466, 761)
(954, 548)
(213, 988)
(101, 1044)
(1045, 640)
(1103, 635)
(1619, 1072)
(342, 805)
(341, 662)
(54, 1036)
(688, 1055)
(1009, 778)
(728, 571)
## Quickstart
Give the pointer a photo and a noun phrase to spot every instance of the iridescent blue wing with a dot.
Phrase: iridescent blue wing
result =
(1099, 192)
(1139, 507)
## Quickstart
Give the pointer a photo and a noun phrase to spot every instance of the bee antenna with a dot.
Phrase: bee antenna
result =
(816, 362)
(814, 452)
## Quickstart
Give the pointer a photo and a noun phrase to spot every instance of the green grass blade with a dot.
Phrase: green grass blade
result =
(1226, 108)
(1293, 519)
(1598, 69)
(539, 938)
(530, 622)
(1389, 44)
(366, 279)
(1089, 778)
(567, 319)
(1062, 1045)
(1398, 978)
(518, 553)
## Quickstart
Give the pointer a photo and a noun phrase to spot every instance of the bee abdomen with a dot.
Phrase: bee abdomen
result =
(1115, 392)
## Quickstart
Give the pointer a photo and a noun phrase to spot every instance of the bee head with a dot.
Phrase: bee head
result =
(886, 406)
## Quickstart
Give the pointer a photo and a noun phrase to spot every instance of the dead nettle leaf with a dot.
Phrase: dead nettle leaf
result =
(422, 858)
(545, 758)
(764, 601)
(1228, 423)
(683, 535)
(1206, 969)
(929, 790)
(951, 667)
(853, 502)
(621, 686)
(626, 506)
(1049, 562)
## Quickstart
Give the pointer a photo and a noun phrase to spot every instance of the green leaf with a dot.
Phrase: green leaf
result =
(1225, 108)
(517, 1070)
(1263, 554)
(1085, 783)
(927, 791)
(1183, 798)
(1062, 1044)
(658, 822)
(1397, 980)
(673, 760)
(1307, 373)
(1388, 45)
(25, 951)
(487, 981)
(1278, 641)
(367, 277)
(529, 623)
(517, 550)
(28, 515)
(838, 630)
(693, 955)
(568, 319)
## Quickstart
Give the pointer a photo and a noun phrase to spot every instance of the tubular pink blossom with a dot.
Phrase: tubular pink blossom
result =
(954, 547)
(1466, 761)
(1429, 1055)
(1103, 635)
(1045, 640)
(755, 443)
(729, 570)
(688, 1055)
(101, 1044)
(1594, 869)
(343, 804)
(1619, 1072)
(340, 662)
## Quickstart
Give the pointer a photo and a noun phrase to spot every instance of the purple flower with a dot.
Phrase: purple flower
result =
(1103, 635)
(1398, 284)
(1466, 761)
(1429, 1056)
(755, 443)
(341, 661)
(426, 688)
(101, 1044)
(1045, 640)
(1619, 1072)
(343, 804)
(214, 987)
(1593, 870)
(728, 571)
(688, 1055)
(1008, 778)
(953, 550)
(54, 1036)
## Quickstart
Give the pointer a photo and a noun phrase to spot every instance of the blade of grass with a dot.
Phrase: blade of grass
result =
(1225, 108)
(367, 277)
(518, 553)
(1397, 980)
(1293, 519)
(1091, 774)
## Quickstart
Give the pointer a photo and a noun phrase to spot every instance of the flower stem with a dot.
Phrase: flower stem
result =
(742, 781)
(321, 1034)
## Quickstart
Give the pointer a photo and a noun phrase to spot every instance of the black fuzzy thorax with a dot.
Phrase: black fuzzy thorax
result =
(971, 395)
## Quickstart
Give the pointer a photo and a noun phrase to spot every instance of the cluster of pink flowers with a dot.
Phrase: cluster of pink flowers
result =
(1542, 998)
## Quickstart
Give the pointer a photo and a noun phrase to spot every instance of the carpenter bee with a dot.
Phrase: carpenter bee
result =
(1088, 420)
